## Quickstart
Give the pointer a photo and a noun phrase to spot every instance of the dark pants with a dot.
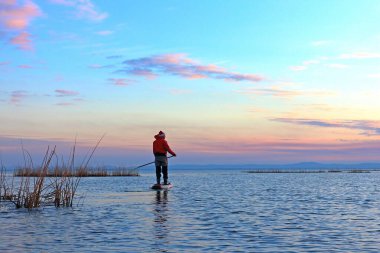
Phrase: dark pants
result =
(164, 170)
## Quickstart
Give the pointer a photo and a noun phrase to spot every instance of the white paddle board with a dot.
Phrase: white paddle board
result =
(162, 186)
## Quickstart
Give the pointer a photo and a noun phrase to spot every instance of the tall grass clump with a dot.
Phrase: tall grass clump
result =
(36, 187)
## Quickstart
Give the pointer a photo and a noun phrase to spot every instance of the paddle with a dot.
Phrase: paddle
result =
(149, 163)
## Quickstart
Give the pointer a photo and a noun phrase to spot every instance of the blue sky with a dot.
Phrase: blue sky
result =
(228, 81)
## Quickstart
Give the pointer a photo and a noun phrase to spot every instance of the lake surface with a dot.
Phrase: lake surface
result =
(206, 211)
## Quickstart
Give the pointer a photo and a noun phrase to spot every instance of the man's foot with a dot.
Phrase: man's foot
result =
(166, 183)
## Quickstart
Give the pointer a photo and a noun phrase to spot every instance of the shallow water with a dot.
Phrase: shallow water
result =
(214, 211)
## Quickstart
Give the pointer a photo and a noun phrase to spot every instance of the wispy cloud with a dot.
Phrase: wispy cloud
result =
(320, 43)
(69, 97)
(114, 56)
(15, 18)
(104, 32)
(182, 66)
(66, 93)
(311, 62)
(180, 91)
(297, 68)
(17, 97)
(98, 66)
(120, 81)
(84, 9)
(4, 63)
(271, 92)
(339, 58)
(374, 75)
(23, 41)
(360, 55)
(368, 127)
(336, 66)
(282, 93)
(304, 65)
(72, 102)
(24, 66)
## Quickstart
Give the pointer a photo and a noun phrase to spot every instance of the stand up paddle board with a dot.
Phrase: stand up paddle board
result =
(162, 186)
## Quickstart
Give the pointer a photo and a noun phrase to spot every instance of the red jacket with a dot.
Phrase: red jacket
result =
(161, 146)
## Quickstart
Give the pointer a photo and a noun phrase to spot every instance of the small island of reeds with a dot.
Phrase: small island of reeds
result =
(78, 172)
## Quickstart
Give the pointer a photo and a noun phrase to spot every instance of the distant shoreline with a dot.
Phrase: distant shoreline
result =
(310, 171)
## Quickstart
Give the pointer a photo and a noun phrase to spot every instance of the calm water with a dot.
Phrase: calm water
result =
(214, 211)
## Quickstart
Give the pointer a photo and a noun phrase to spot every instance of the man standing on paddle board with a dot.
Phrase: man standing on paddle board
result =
(160, 150)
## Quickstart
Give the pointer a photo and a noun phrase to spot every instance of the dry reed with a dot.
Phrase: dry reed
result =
(33, 190)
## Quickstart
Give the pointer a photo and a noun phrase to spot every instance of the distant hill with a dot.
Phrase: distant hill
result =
(302, 165)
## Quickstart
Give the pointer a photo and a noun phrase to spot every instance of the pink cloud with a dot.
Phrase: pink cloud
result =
(368, 127)
(281, 150)
(25, 66)
(120, 81)
(4, 63)
(174, 59)
(66, 93)
(181, 65)
(98, 66)
(17, 96)
(23, 41)
(63, 2)
(15, 18)
(143, 72)
(65, 104)
(84, 9)
(70, 97)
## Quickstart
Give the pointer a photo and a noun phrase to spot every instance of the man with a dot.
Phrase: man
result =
(160, 150)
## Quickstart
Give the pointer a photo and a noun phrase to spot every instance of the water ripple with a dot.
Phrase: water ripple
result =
(207, 212)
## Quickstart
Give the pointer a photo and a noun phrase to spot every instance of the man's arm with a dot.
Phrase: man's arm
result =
(166, 145)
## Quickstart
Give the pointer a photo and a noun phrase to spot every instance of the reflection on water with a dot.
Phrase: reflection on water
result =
(207, 212)
(160, 224)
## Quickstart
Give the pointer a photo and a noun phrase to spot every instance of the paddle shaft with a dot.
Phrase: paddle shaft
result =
(149, 163)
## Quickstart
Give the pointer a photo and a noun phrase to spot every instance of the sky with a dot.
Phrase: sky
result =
(229, 82)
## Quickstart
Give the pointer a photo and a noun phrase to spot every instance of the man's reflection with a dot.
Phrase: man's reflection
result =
(161, 228)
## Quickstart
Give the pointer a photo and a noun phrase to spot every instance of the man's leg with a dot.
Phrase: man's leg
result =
(158, 174)
(165, 172)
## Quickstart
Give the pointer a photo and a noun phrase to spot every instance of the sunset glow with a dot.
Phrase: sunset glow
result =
(227, 81)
